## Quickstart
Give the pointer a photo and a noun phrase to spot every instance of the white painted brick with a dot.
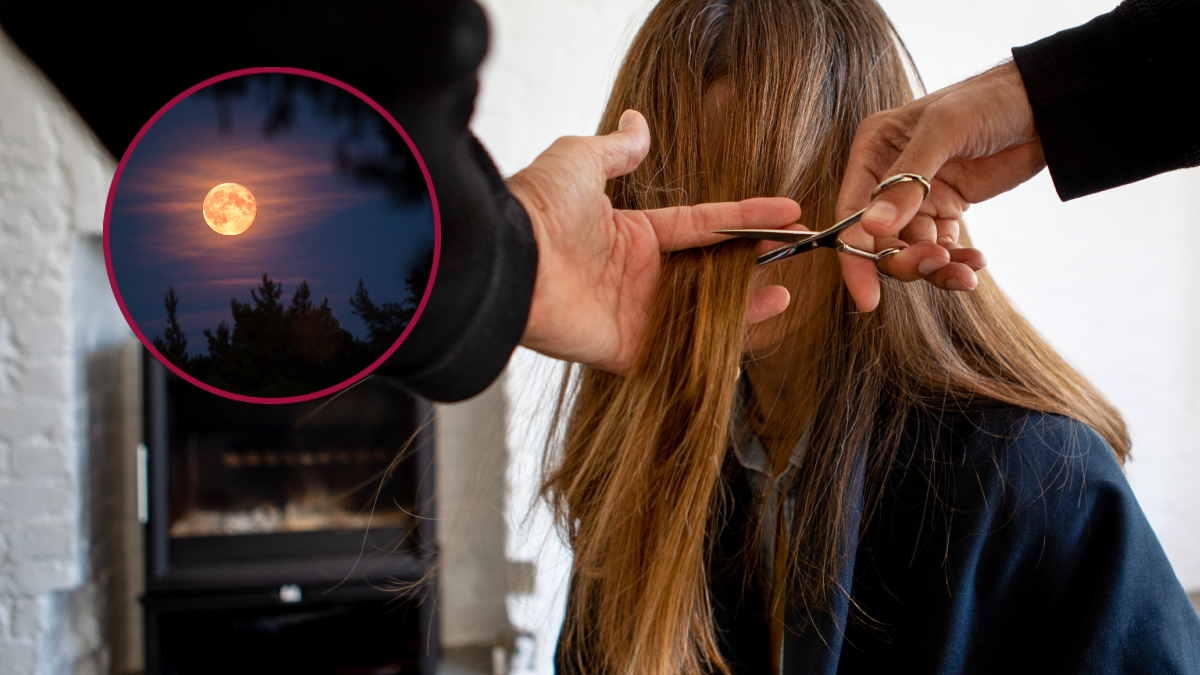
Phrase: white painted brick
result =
(40, 576)
(40, 457)
(51, 537)
(15, 251)
(6, 611)
(28, 164)
(22, 498)
(54, 179)
(23, 125)
(45, 298)
(17, 657)
(9, 376)
(29, 616)
(41, 336)
(34, 213)
(8, 582)
(50, 294)
(89, 171)
(8, 348)
(46, 378)
(31, 417)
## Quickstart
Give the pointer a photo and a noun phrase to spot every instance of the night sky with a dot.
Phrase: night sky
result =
(316, 222)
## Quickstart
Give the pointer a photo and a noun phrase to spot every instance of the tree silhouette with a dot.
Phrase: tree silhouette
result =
(315, 333)
(174, 347)
(385, 323)
(276, 348)
(219, 346)
(417, 279)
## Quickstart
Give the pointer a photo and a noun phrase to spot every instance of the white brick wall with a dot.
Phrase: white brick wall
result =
(54, 178)
(38, 480)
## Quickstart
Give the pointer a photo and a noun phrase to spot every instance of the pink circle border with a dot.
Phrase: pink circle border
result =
(437, 235)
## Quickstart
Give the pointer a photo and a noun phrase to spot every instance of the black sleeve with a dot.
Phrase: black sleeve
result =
(1112, 98)
(418, 60)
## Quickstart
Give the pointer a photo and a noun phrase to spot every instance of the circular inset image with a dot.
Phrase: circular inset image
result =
(272, 235)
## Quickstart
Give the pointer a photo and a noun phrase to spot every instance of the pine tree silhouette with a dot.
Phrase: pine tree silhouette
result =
(277, 349)
(218, 344)
(417, 279)
(385, 323)
(314, 332)
(174, 347)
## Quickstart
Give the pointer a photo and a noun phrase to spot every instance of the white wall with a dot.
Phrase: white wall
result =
(1127, 315)
(471, 460)
(54, 178)
(547, 75)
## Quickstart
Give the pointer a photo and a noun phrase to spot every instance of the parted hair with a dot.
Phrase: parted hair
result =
(635, 478)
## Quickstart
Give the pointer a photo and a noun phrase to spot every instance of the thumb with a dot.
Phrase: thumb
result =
(624, 149)
(896, 206)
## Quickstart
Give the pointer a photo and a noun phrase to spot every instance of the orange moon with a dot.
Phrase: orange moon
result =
(230, 209)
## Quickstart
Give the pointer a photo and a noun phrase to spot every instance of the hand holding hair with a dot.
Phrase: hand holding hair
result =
(975, 140)
(598, 266)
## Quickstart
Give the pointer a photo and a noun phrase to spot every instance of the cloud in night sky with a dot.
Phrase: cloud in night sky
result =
(295, 185)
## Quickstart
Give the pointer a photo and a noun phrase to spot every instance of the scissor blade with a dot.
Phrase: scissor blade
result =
(798, 242)
(785, 236)
(824, 238)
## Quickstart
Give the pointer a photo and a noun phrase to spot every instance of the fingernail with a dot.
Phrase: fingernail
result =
(956, 285)
(945, 241)
(624, 122)
(931, 265)
(882, 213)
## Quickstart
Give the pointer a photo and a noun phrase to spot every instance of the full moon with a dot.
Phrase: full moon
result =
(230, 209)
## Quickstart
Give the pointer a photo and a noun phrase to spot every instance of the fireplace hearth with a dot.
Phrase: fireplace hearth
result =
(291, 538)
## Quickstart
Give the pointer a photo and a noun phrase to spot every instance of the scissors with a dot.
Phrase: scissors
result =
(803, 242)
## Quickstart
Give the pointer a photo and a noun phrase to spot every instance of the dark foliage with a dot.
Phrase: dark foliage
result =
(174, 347)
(277, 348)
(385, 323)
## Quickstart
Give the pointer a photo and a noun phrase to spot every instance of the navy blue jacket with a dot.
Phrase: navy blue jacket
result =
(1004, 542)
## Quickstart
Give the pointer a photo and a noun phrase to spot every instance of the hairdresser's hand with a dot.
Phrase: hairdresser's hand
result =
(976, 139)
(598, 266)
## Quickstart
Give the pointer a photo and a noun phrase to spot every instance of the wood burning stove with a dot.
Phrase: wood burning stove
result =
(292, 538)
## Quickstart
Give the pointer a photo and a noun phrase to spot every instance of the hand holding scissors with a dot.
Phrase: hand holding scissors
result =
(973, 140)
(931, 257)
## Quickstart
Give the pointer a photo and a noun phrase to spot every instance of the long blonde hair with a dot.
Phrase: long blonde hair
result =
(635, 482)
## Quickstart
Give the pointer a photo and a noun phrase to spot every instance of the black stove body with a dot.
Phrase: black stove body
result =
(293, 538)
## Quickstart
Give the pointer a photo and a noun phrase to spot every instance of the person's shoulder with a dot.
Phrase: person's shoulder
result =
(1029, 515)
(1006, 434)
(1019, 456)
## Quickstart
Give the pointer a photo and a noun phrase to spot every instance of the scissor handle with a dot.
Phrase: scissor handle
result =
(902, 178)
(843, 247)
